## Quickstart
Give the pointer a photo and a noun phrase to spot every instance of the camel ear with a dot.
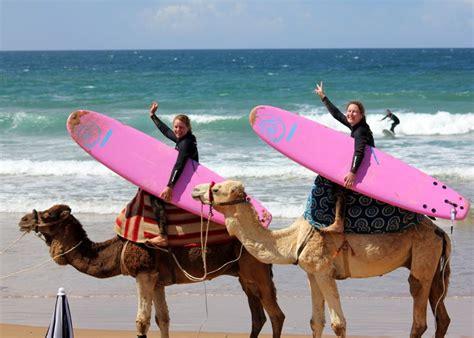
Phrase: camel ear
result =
(65, 213)
(238, 190)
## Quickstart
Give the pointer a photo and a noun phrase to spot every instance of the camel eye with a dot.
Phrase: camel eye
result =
(214, 190)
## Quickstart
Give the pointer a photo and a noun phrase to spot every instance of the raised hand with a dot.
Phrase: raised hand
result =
(153, 108)
(319, 90)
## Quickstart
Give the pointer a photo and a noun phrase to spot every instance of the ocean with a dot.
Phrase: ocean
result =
(430, 90)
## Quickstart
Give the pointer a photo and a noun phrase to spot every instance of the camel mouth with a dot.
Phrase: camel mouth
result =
(197, 194)
(26, 225)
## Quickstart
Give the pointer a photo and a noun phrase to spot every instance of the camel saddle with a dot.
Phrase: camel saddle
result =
(138, 222)
(363, 214)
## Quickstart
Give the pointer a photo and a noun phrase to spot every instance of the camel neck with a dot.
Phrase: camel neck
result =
(268, 246)
(95, 259)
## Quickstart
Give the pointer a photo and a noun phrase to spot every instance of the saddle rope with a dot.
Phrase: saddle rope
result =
(204, 234)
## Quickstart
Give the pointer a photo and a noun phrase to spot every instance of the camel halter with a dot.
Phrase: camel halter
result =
(211, 203)
(39, 222)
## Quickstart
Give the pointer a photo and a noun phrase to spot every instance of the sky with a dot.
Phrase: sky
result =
(229, 24)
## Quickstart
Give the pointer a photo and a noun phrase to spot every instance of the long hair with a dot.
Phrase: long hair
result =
(358, 104)
(185, 119)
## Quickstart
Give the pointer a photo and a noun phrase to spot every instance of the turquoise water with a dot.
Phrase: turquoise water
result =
(431, 90)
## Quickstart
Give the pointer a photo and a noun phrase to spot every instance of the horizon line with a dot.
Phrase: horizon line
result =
(220, 49)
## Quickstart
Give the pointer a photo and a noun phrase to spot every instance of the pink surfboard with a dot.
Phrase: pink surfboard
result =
(143, 160)
(381, 176)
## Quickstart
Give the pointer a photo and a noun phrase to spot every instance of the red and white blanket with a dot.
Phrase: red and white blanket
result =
(137, 222)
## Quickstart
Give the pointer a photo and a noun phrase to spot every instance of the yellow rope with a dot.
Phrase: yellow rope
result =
(40, 264)
(14, 242)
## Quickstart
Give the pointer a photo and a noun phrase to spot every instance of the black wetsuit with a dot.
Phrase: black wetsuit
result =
(360, 132)
(395, 121)
(186, 146)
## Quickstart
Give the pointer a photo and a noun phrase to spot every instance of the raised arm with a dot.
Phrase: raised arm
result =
(333, 110)
(165, 130)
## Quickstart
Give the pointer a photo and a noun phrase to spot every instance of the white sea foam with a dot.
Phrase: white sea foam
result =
(276, 170)
(262, 171)
(279, 210)
(205, 119)
(464, 173)
(411, 123)
(53, 168)
(25, 204)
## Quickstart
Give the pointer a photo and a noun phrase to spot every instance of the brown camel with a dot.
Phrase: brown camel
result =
(424, 249)
(68, 244)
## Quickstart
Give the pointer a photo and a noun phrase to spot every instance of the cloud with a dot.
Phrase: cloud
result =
(175, 17)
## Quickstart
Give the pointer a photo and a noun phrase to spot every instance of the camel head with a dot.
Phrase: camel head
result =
(47, 222)
(220, 195)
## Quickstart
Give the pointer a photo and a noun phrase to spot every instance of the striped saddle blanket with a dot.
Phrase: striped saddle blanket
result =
(138, 222)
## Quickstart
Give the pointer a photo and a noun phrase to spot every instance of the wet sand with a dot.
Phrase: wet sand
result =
(365, 317)
(372, 307)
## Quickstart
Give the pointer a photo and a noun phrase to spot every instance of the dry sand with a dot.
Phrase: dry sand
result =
(20, 331)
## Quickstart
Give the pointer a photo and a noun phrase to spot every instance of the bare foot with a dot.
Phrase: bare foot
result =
(336, 227)
(159, 240)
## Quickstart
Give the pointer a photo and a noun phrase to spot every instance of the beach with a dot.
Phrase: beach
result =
(40, 165)
(379, 306)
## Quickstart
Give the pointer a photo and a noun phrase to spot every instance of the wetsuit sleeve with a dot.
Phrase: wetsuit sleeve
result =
(165, 130)
(361, 139)
(335, 112)
(384, 117)
(186, 149)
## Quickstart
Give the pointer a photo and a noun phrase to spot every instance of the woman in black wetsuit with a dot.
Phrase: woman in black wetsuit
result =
(394, 118)
(360, 131)
(186, 146)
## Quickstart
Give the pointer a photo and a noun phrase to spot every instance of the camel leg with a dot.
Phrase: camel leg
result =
(145, 285)
(256, 308)
(162, 316)
(438, 291)
(423, 268)
(317, 302)
(256, 277)
(439, 288)
(328, 288)
(268, 296)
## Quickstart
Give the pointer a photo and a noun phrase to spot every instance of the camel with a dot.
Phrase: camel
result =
(68, 244)
(424, 249)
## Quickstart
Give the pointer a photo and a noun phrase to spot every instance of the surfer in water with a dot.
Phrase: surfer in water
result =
(186, 146)
(395, 120)
(354, 119)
